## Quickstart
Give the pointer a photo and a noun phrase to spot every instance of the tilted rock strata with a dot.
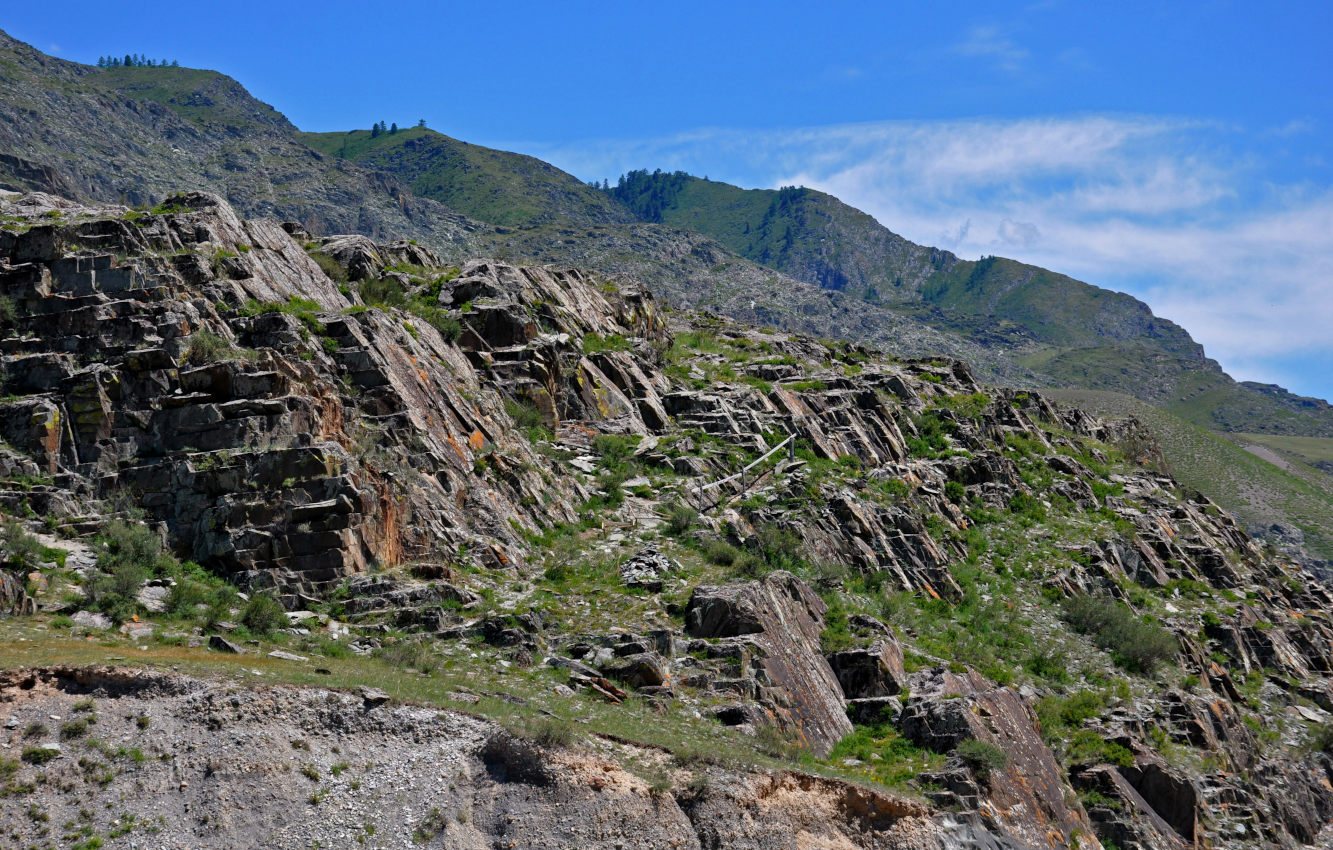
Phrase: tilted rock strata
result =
(319, 439)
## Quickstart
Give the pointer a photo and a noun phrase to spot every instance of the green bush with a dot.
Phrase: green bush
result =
(1026, 506)
(1088, 747)
(594, 343)
(218, 608)
(1057, 713)
(931, 441)
(529, 418)
(780, 548)
(680, 518)
(551, 732)
(720, 552)
(39, 755)
(206, 347)
(1134, 644)
(382, 292)
(263, 614)
(22, 551)
(328, 265)
(447, 325)
(955, 492)
(982, 757)
(127, 555)
(836, 635)
(894, 488)
(614, 448)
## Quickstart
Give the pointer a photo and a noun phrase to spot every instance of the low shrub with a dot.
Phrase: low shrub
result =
(39, 755)
(982, 757)
(1134, 644)
(720, 552)
(128, 554)
(328, 265)
(263, 614)
(680, 518)
(207, 347)
(551, 732)
(1088, 747)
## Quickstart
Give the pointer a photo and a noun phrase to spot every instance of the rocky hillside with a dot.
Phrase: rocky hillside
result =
(761, 588)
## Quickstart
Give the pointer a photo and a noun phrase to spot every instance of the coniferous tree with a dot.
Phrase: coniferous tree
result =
(375, 130)
(421, 123)
(394, 128)
(129, 61)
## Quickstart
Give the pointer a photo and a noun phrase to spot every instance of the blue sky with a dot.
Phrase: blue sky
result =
(1175, 151)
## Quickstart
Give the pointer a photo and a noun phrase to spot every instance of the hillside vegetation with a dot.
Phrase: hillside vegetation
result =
(1253, 488)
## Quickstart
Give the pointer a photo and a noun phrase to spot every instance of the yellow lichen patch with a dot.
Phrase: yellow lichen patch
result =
(476, 440)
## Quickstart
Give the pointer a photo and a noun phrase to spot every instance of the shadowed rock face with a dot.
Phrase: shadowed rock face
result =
(1026, 798)
(783, 617)
(1126, 818)
(346, 441)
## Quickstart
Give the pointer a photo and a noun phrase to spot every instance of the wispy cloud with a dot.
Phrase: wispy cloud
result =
(1178, 212)
(988, 41)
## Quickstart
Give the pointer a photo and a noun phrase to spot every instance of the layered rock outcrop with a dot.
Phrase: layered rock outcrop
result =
(509, 436)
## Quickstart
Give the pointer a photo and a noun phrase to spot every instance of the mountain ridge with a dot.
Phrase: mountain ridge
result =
(1074, 333)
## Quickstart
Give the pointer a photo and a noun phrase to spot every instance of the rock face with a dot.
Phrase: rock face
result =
(1026, 797)
(14, 598)
(782, 617)
(486, 465)
(348, 442)
(875, 671)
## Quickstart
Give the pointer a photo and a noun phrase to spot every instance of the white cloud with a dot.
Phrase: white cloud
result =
(990, 42)
(1167, 209)
(1021, 233)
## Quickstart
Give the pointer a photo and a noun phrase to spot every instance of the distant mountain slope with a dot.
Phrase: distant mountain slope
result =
(134, 135)
(496, 187)
(1068, 332)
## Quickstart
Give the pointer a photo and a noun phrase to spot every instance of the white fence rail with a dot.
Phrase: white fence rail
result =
(744, 474)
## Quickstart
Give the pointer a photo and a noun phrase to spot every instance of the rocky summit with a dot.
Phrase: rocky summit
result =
(322, 541)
